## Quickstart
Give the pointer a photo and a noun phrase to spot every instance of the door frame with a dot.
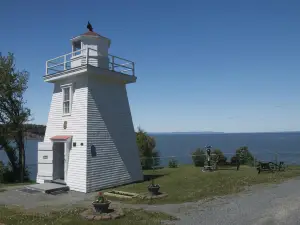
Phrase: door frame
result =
(67, 148)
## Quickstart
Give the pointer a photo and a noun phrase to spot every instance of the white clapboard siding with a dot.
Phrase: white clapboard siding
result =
(76, 126)
(110, 130)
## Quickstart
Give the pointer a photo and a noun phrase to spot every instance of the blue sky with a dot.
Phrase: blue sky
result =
(231, 66)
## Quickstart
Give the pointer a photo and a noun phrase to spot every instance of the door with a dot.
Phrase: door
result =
(58, 161)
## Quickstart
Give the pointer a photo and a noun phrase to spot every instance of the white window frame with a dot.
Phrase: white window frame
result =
(64, 87)
(74, 49)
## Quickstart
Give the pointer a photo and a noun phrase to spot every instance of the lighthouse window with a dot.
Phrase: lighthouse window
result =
(67, 100)
(76, 48)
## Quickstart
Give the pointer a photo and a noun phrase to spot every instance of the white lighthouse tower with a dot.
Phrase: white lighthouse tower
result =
(90, 142)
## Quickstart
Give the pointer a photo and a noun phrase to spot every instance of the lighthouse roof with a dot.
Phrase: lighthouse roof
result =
(91, 33)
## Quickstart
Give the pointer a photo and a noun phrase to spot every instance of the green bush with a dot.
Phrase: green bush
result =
(173, 163)
(7, 175)
(199, 157)
(146, 144)
(233, 160)
(244, 155)
(148, 163)
(219, 155)
(1, 171)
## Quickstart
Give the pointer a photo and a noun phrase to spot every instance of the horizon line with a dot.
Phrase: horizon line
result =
(220, 132)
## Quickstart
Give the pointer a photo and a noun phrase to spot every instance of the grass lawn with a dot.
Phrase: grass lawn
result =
(189, 183)
(16, 184)
(5, 186)
(72, 217)
(2, 188)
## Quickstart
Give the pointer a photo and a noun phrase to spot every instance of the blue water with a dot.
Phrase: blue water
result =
(262, 145)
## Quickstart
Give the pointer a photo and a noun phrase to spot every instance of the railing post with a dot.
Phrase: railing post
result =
(133, 69)
(87, 56)
(65, 62)
(113, 63)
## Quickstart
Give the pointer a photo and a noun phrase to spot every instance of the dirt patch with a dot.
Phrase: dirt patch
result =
(112, 214)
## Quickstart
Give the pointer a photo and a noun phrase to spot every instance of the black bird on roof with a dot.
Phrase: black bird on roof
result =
(89, 26)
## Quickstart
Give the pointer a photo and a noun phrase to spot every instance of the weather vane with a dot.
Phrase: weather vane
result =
(89, 26)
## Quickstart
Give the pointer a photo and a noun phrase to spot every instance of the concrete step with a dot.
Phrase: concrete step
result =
(49, 188)
(58, 181)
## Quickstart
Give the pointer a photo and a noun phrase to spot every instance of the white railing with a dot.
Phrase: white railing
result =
(91, 57)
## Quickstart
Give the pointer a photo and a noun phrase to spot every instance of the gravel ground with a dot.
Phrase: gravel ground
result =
(41, 202)
(260, 205)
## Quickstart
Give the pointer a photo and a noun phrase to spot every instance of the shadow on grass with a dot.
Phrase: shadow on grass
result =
(226, 168)
(149, 177)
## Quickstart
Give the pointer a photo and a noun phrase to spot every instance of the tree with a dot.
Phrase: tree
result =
(146, 145)
(220, 155)
(13, 113)
(199, 156)
(242, 156)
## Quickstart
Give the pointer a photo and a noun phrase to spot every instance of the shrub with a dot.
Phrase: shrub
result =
(243, 155)
(220, 156)
(1, 171)
(173, 163)
(146, 144)
(246, 158)
(148, 163)
(7, 175)
(199, 157)
(233, 160)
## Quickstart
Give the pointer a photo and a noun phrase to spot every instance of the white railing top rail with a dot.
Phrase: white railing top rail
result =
(117, 57)
(116, 63)
(67, 61)
(62, 56)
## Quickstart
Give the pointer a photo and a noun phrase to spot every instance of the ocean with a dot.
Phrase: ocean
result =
(264, 146)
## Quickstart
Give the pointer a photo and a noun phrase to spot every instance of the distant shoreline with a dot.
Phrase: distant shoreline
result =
(34, 138)
(270, 132)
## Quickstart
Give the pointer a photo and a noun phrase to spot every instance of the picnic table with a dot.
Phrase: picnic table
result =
(270, 167)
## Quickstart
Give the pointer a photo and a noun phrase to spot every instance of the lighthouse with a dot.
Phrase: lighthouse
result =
(90, 142)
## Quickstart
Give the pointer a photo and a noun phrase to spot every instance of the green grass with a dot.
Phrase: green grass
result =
(189, 183)
(17, 184)
(72, 217)
(5, 186)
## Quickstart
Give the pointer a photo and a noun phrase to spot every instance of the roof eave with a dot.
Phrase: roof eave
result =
(89, 36)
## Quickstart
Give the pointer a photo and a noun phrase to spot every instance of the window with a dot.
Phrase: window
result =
(67, 99)
(76, 48)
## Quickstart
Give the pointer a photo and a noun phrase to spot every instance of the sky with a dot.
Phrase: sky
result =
(226, 66)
